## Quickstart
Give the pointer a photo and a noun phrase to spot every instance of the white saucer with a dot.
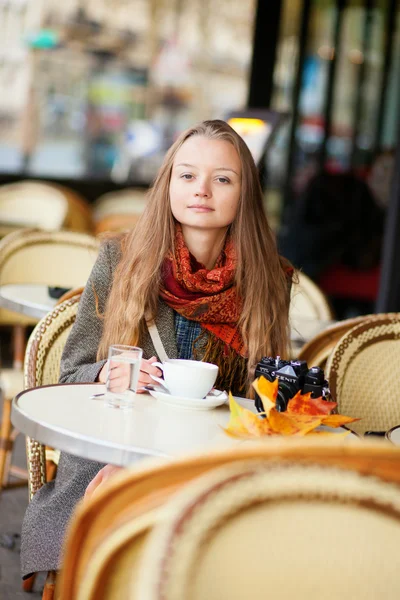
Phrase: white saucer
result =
(207, 403)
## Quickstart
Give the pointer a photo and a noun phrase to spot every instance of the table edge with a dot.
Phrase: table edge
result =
(20, 308)
(90, 448)
(388, 434)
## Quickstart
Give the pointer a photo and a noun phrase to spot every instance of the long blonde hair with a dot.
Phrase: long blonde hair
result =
(261, 281)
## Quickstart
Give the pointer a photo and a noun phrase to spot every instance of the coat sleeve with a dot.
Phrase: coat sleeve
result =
(78, 361)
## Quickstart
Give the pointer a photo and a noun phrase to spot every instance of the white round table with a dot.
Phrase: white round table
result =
(64, 417)
(394, 435)
(31, 300)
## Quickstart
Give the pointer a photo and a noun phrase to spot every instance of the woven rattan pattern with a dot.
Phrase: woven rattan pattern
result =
(27, 237)
(317, 350)
(308, 300)
(42, 367)
(364, 375)
(196, 513)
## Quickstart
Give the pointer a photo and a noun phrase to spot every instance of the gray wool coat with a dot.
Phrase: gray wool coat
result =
(50, 509)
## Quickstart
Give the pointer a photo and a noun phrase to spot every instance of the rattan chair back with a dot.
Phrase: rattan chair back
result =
(122, 202)
(307, 300)
(258, 529)
(31, 204)
(58, 258)
(364, 375)
(42, 367)
(309, 310)
(317, 350)
(80, 213)
(119, 211)
(108, 532)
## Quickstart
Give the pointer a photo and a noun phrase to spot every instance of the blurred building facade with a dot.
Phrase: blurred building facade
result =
(115, 71)
(99, 89)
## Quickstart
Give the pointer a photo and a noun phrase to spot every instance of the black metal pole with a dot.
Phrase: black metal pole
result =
(303, 35)
(390, 28)
(389, 288)
(340, 6)
(265, 41)
(362, 72)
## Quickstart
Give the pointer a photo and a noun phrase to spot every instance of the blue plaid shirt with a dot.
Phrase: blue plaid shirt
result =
(186, 332)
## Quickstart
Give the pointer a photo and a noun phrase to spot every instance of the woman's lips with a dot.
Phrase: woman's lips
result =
(200, 208)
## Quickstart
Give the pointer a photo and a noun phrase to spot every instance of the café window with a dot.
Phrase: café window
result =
(101, 89)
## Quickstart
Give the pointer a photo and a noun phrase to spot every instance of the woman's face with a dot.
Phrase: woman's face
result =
(205, 184)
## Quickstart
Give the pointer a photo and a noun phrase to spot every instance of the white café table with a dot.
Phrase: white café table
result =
(63, 416)
(29, 299)
(393, 435)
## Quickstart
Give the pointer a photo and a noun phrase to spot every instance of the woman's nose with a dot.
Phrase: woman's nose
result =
(202, 190)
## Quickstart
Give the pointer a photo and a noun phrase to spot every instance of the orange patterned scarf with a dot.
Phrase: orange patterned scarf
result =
(207, 296)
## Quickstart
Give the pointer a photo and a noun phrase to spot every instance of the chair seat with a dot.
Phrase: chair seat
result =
(11, 382)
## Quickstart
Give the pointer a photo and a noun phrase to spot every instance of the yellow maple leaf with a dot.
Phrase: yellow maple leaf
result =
(243, 423)
(337, 420)
(268, 391)
(292, 424)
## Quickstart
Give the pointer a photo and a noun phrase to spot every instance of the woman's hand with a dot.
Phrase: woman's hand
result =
(102, 476)
(120, 373)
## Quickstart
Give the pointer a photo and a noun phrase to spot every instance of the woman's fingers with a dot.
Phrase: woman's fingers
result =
(146, 367)
(118, 374)
(119, 370)
(119, 385)
(144, 379)
(103, 475)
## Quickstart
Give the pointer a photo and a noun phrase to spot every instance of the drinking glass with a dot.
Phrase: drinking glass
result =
(121, 392)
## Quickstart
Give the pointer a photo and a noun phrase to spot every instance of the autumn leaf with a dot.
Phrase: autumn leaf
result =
(304, 404)
(303, 417)
(244, 424)
(294, 424)
(337, 420)
(268, 391)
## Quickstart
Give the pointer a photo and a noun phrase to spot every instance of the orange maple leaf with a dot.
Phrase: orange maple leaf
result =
(337, 420)
(268, 391)
(243, 423)
(304, 404)
(303, 417)
(292, 424)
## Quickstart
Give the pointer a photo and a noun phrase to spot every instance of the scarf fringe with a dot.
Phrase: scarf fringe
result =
(232, 375)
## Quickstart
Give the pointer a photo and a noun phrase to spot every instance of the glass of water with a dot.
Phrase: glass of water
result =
(122, 375)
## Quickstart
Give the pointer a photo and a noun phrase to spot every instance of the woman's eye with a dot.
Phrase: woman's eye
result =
(223, 179)
(187, 176)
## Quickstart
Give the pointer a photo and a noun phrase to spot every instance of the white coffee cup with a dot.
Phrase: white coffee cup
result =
(187, 378)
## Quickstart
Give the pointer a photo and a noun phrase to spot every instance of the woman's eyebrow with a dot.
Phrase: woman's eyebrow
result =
(227, 169)
(217, 169)
(185, 165)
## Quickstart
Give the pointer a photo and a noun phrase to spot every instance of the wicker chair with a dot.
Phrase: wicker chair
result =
(126, 201)
(31, 204)
(34, 256)
(79, 216)
(258, 530)
(42, 367)
(57, 258)
(117, 211)
(364, 376)
(120, 222)
(42, 204)
(109, 532)
(309, 310)
(318, 349)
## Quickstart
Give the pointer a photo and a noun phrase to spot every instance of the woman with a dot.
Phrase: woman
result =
(203, 266)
